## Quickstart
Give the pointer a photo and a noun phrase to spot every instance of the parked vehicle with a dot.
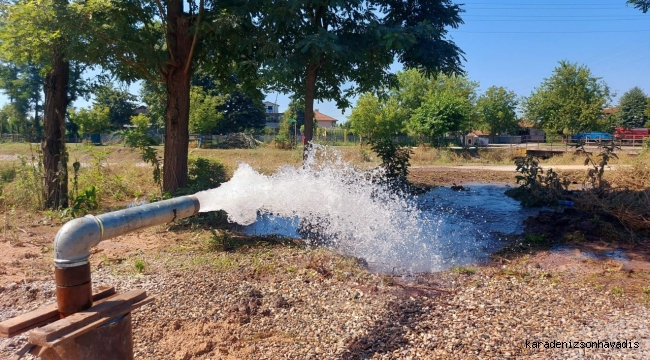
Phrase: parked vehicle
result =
(592, 136)
(631, 135)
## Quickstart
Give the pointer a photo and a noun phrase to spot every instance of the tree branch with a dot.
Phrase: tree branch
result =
(188, 62)
(163, 18)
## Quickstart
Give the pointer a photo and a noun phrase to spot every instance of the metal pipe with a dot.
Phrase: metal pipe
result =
(73, 242)
(74, 291)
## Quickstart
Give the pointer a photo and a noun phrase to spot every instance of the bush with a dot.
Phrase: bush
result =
(84, 202)
(138, 137)
(646, 143)
(394, 159)
(204, 174)
(7, 175)
(25, 186)
(537, 187)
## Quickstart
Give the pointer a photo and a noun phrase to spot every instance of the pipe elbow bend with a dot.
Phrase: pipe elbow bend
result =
(73, 241)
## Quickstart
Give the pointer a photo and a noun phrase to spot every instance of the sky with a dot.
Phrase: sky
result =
(518, 43)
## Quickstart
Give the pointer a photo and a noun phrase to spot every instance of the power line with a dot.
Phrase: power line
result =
(613, 55)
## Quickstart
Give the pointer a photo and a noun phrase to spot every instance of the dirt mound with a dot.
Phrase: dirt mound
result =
(238, 141)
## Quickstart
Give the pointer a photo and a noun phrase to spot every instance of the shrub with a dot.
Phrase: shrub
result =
(537, 187)
(138, 137)
(395, 160)
(285, 139)
(204, 174)
(597, 167)
(139, 265)
(85, 201)
(7, 175)
(27, 188)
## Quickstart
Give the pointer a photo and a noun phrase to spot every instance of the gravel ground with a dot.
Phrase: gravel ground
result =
(289, 303)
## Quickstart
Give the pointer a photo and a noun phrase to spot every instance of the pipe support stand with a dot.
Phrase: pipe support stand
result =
(73, 289)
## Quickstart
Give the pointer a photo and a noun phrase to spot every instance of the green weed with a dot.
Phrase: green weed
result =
(139, 265)
(646, 291)
(512, 273)
(462, 270)
(575, 236)
(388, 281)
(538, 187)
(83, 203)
(221, 241)
(537, 239)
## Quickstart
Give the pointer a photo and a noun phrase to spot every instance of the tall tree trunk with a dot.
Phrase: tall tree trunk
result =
(177, 78)
(176, 130)
(309, 103)
(55, 160)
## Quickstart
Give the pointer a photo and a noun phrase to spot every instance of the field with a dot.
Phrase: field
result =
(220, 295)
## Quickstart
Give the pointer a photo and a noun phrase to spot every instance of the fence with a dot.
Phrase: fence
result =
(13, 138)
(339, 136)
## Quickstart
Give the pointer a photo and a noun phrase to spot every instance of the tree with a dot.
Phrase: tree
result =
(46, 33)
(570, 101)
(23, 85)
(439, 114)
(121, 104)
(642, 5)
(297, 109)
(373, 120)
(631, 108)
(414, 87)
(152, 94)
(241, 112)
(497, 110)
(204, 113)
(90, 121)
(647, 112)
(241, 107)
(12, 120)
(165, 41)
(321, 45)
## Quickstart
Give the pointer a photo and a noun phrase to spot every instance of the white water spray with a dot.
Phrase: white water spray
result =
(348, 210)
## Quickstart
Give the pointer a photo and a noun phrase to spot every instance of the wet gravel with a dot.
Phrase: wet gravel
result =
(288, 303)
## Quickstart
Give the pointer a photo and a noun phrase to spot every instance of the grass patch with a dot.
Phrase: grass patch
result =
(220, 263)
(462, 270)
(139, 265)
(226, 240)
(537, 240)
(512, 273)
(617, 291)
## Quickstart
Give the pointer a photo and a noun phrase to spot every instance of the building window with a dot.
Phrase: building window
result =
(269, 109)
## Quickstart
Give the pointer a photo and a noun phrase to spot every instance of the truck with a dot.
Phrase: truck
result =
(592, 136)
(631, 135)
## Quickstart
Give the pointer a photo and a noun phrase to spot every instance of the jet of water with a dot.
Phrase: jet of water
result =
(350, 210)
(338, 205)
